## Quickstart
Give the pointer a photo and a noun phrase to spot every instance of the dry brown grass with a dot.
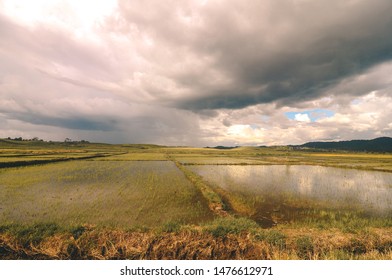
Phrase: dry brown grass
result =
(195, 243)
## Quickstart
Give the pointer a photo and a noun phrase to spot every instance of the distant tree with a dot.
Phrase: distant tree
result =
(67, 140)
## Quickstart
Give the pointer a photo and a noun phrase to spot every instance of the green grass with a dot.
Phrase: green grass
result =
(229, 225)
(124, 194)
(135, 156)
(305, 247)
(37, 232)
(346, 221)
(213, 199)
(280, 155)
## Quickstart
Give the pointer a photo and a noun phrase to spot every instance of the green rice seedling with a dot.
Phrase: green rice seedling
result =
(118, 194)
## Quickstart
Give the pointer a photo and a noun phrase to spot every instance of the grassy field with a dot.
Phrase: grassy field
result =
(117, 194)
(99, 201)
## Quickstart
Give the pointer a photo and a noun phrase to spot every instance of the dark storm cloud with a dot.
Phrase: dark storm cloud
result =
(70, 122)
(267, 51)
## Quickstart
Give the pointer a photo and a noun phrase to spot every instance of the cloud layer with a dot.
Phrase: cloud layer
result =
(196, 72)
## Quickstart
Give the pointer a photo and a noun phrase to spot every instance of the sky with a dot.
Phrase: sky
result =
(197, 72)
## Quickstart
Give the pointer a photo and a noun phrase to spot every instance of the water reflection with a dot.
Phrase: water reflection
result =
(299, 185)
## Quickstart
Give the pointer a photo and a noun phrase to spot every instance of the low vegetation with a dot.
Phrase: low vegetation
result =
(80, 200)
(118, 194)
(225, 238)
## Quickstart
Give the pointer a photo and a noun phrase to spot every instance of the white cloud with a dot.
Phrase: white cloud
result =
(368, 118)
(302, 117)
(78, 17)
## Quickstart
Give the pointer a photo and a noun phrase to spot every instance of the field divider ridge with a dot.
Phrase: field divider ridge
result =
(215, 202)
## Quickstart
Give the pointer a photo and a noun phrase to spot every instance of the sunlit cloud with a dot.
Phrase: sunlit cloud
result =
(302, 117)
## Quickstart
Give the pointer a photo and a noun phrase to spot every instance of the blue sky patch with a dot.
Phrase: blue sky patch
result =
(312, 115)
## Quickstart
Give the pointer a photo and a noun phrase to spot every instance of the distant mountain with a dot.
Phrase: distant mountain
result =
(382, 144)
(222, 147)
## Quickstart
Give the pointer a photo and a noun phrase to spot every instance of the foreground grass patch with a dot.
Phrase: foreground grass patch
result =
(221, 227)
(221, 239)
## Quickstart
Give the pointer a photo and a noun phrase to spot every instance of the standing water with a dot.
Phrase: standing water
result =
(286, 189)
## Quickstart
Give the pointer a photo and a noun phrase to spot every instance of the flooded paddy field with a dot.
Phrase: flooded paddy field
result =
(216, 160)
(272, 194)
(110, 193)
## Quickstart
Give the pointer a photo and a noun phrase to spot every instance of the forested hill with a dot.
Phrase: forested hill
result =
(382, 144)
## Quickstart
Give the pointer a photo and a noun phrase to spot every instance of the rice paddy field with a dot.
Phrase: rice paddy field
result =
(110, 193)
(99, 201)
